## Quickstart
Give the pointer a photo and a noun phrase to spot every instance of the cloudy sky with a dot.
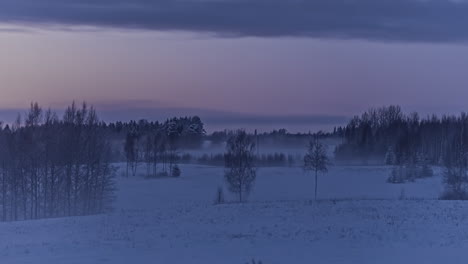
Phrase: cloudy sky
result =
(289, 63)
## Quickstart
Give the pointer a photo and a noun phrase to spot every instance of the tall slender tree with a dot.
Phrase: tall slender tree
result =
(316, 160)
(240, 170)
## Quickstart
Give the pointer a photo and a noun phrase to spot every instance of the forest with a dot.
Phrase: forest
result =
(388, 135)
(411, 145)
(53, 166)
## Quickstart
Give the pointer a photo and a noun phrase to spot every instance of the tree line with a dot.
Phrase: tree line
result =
(276, 159)
(411, 144)
(53, 167)
(158, 145)
(388, 135)
(276, 137)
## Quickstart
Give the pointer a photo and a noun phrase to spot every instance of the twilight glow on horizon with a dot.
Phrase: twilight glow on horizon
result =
(255, 58)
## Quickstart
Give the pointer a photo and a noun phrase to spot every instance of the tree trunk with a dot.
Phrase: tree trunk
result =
(316, 185)
(127, 169)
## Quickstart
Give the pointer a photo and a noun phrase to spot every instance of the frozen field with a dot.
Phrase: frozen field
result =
(175, 221)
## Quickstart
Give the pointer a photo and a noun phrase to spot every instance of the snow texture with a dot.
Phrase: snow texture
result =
(359, 218)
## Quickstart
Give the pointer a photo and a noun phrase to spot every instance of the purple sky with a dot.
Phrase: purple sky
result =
(247, 69)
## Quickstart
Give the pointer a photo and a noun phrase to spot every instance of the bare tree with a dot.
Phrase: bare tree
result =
(52, 168)
(161, 147)
(316, 160)
(158, 142)
(240, 170)
(456, 166)
(148, 153)
(132, 151)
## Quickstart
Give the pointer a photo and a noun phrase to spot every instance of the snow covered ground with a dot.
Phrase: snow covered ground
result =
(359, 219)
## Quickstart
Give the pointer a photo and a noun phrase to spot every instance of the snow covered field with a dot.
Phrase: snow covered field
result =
(359, 219)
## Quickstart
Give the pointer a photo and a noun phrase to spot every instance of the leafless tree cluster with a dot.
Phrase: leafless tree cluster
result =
(456, 165)
(157, 144)
(387, 134)
(153, 148)
(51, 167)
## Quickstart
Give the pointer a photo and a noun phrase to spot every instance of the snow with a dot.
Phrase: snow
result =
(359, 219)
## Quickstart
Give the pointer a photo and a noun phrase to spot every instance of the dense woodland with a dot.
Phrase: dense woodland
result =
(411, 144)
(389, 135)
(51, 167)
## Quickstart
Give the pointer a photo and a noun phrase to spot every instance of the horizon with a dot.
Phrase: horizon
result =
(154, 51)
(215, 120)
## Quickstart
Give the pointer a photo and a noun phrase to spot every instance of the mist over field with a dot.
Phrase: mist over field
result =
(233, 131)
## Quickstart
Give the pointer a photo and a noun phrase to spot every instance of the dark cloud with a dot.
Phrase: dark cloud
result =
(387, 20)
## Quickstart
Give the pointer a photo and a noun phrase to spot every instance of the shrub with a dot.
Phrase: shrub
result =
(219, 196)
(176, 172)
(456, 182)
(397, 175)
(162, 174)
(254, 262)
(402, 195)
(454, 195)
(402, 174)
(426, 171)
